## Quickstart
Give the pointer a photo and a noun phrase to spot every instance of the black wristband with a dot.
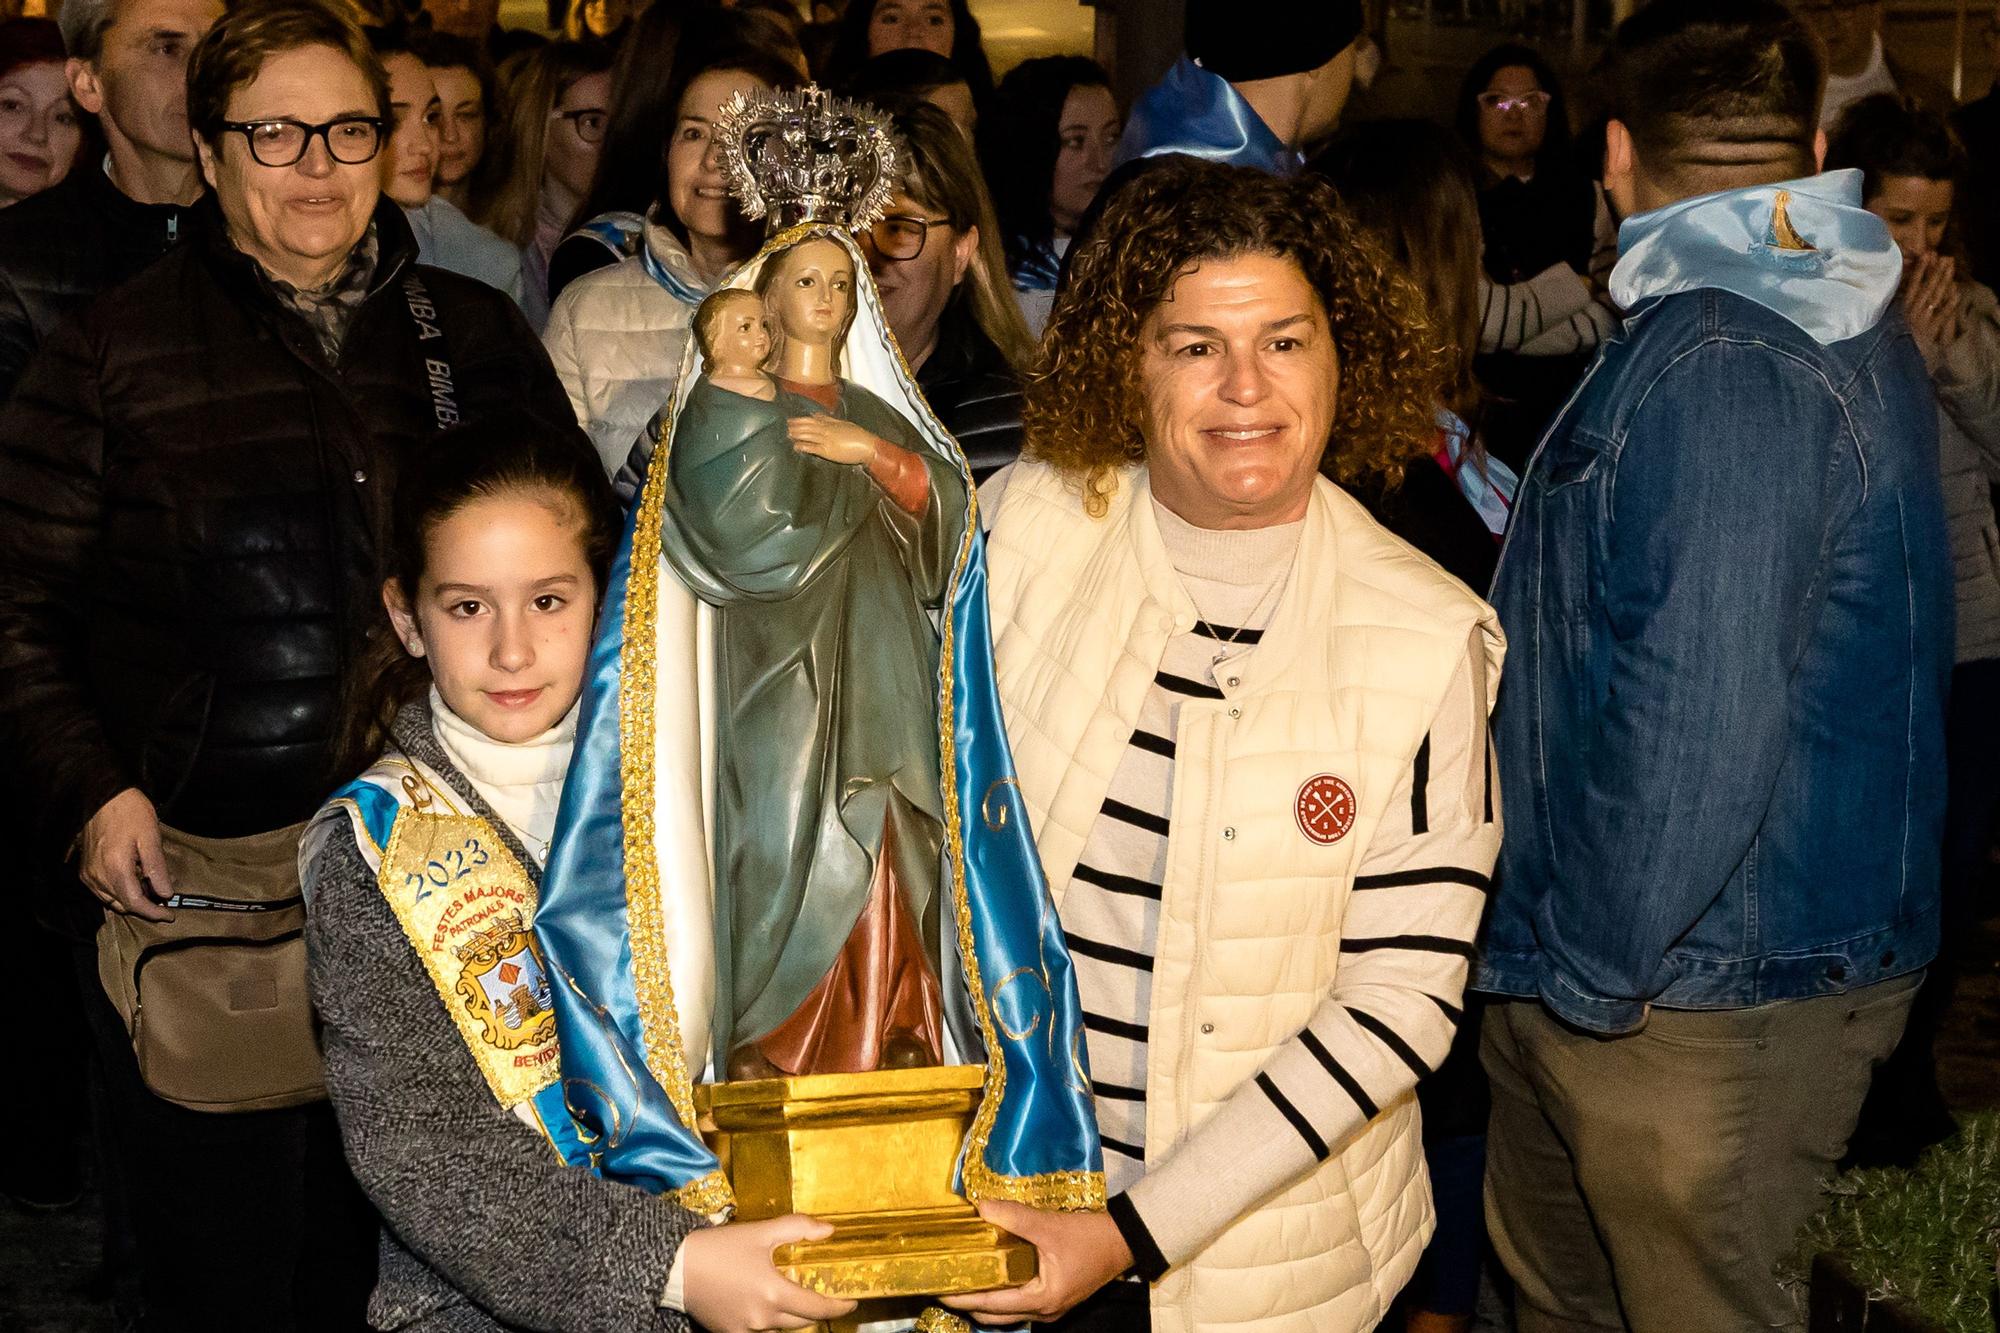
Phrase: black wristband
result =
(1147, 1261)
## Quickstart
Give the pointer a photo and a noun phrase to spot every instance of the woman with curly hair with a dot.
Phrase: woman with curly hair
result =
(1250, 729)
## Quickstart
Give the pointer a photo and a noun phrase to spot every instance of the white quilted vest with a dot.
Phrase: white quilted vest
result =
(1346, 680)
(616, 338)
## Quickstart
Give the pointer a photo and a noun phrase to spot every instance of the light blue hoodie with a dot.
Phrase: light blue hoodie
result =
(1836, 287)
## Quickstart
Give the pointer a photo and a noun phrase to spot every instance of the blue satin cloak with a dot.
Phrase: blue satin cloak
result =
(623, 1115)
(1197, 113)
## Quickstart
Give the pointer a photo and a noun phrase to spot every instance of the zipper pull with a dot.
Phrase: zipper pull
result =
(173, 228)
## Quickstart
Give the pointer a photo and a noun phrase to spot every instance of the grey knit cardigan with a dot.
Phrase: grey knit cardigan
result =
(484, 1227)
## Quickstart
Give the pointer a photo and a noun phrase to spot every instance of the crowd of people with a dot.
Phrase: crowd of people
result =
(336, 342)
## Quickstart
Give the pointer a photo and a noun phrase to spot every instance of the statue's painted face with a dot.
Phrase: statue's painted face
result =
(812, 297)
(741, 338)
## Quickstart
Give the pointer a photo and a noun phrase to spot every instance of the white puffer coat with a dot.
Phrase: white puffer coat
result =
(1347, 679)
(616, 337)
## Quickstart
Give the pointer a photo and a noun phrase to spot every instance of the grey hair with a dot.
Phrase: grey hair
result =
(83, 23)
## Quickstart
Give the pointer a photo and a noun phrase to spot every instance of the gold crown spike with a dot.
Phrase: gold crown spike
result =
(807, 156)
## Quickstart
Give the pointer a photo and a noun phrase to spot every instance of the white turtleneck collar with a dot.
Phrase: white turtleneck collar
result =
(522, 782)
(1236, 556)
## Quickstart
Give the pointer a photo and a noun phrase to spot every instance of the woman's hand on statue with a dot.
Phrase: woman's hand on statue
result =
(835, 440)
(1076, 1253)
(730, 1285)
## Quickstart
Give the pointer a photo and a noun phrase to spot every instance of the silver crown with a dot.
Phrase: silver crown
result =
(807, 156)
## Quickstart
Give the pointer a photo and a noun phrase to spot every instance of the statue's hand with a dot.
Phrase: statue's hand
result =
(835, 440)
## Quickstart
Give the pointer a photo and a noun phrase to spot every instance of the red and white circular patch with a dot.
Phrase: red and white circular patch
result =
(1325, 809)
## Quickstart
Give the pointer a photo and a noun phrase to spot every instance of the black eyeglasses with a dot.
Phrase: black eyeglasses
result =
(900, 236)
(589, 121)
(350, 140)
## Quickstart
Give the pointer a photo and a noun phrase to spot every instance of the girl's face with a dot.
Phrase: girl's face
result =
(696, 189)
(462, 128)
(1917, 210)
(1086, 133)
(1513, 114)
(504, 612)
(923, 25)
(39, 133)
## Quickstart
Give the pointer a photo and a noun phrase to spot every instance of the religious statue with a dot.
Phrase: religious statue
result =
(810, 514)
(792, 889)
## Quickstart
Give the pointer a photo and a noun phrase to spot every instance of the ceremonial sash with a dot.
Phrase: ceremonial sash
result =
(467, 906)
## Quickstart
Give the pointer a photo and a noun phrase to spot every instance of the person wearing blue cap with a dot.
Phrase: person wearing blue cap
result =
(1261, 79)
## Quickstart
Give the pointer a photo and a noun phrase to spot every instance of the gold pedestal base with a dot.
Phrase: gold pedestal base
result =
(873, 1155)
(867, 1258)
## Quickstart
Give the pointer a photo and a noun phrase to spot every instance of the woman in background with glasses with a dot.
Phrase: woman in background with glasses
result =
(1537, 207)
(1543, 314)
(197, 469)
(560, 104)
(937, 261)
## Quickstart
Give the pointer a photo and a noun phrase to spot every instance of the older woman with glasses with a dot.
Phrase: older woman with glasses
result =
(198, 469)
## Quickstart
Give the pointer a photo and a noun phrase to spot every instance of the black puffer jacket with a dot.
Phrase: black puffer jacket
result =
(974, 392)
(63, 246)
(192, 503)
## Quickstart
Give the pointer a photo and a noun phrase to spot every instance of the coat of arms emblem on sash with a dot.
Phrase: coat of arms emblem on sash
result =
(504, 986)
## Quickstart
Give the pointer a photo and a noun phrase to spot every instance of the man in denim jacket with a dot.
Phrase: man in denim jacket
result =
(1721, 734)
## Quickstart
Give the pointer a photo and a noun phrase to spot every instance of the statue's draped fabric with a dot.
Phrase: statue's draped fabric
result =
(826, 660)
(911, 768)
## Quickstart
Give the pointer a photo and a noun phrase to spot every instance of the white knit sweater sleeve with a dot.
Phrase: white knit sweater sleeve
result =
(1407, 941)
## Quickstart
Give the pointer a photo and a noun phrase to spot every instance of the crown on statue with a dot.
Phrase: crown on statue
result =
(807, 156)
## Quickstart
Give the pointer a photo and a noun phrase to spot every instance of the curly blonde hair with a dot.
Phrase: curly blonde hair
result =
(1084, 405)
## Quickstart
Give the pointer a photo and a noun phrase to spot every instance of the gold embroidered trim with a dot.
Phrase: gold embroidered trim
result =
(658, 1018)
(708, 1195)
(936, 1320)
(1064, 1190)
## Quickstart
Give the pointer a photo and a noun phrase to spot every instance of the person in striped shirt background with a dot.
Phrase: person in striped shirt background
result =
(1251, 730)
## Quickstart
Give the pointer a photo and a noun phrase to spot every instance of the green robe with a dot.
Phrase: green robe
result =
(826, 671)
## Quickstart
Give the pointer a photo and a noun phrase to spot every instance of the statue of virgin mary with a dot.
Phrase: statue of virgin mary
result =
(791, 842)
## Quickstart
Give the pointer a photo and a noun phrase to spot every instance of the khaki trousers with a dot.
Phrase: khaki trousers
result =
(1650, 1183)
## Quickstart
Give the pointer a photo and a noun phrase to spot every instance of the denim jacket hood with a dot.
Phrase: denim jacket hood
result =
(1804, 249)
(1198, 113)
